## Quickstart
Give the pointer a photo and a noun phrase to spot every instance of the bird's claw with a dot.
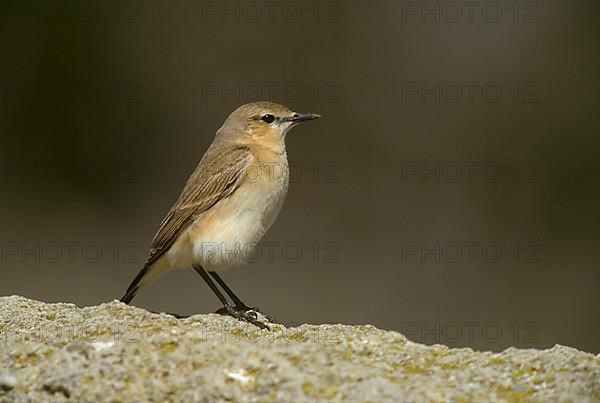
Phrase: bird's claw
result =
(268, 317)
(244, 313)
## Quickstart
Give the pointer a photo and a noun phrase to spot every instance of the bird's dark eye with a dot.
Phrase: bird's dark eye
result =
(268, 118)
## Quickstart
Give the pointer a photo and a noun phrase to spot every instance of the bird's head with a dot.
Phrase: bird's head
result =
(264, 121)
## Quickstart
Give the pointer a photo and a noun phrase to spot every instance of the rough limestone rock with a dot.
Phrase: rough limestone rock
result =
(113, 352)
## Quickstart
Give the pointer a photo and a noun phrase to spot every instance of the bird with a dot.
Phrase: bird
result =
(228, 203)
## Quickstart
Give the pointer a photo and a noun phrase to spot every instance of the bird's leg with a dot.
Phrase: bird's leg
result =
(238, 312)
(238, 302)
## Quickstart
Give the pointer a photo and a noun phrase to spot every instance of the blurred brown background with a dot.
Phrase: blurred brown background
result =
(450, 191)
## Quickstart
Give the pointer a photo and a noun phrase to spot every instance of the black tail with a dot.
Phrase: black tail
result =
(134, 286)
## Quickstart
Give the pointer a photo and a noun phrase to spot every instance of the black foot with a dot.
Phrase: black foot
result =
(244, 313)
(269, 317)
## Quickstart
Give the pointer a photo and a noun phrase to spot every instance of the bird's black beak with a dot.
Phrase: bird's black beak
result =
(301, 117)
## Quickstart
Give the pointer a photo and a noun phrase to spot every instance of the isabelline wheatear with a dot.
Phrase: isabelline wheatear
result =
(228, 203)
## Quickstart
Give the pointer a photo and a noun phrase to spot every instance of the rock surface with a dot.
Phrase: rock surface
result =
(114, 352)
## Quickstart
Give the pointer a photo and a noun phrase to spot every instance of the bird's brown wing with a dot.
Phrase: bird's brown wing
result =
(216, 177)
